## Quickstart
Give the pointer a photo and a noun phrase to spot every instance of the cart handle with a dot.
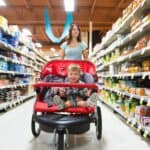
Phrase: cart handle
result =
(75, 85)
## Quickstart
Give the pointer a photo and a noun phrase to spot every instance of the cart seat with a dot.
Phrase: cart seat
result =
(40, 106)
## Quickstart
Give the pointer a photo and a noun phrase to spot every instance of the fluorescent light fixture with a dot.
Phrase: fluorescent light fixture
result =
(69, 5)
(2, 3)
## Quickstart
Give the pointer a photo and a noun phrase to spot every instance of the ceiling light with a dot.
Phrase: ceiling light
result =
(2, 3)
(69, 5)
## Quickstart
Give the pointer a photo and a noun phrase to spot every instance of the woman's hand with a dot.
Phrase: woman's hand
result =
(62, 54)
(85, 54)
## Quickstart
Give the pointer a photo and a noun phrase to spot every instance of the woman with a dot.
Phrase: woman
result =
(74, 48)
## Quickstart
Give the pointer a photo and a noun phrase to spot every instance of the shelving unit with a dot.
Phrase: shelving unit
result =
(144, 132)
(120, 61)
(19, 70)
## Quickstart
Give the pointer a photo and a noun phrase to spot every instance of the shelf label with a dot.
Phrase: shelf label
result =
(141, 29)
(132, 125)
(144, 75)
(141, 101)
(145, 134)
(131, 97)
(132, 76)
(143, 51)
(130, 56)
(148, 103)
(139, 129)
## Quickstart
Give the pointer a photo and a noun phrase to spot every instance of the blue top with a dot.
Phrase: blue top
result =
(73, 53)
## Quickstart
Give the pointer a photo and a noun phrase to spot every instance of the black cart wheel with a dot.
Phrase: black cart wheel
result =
(35, 127)
(61, 145)
(98, 123)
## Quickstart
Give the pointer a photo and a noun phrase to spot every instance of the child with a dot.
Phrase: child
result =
(75, 96)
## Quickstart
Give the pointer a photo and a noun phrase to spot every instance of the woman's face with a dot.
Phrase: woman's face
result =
(75, 31)
(73, 76)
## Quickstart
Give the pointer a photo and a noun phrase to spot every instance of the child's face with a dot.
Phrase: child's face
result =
(73, 76)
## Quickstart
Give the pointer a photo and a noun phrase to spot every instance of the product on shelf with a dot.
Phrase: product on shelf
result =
(146, 18)
(134, 68)
(3, 23)
(135, 23)
(127, 50)
(143, 42)
(146, 65)
(127, 11)
(142, 115)
(147, 92)
(140, 91)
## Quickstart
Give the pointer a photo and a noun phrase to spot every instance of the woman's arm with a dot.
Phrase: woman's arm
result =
(85, 54)
(62, 54)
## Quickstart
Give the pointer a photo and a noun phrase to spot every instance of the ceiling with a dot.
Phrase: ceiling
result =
(30, 14)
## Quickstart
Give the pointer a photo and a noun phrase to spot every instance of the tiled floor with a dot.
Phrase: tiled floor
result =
(15, 133)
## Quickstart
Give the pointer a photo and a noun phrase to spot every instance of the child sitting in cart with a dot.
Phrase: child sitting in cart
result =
(74, 97)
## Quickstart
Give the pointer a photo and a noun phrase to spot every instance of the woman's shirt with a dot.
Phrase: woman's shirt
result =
(73, 53)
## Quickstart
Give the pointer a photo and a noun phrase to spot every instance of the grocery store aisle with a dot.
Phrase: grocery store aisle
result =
(15, 133)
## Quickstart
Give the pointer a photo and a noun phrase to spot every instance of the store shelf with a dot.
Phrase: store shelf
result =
(8, 105)
(132, 36)
(6, 32)
(15, 61)
(144, 100)
(37, 70)
(144, 132)
(14, 86)
(34, 50)
(115, 109)
(138, 53)
(16, 50)
(136, 12)
(138, 127)
(38, 63)
(39, 59)
(123, 28)
(118, 39)
(132, 75)
(136, 34)
(15, 73)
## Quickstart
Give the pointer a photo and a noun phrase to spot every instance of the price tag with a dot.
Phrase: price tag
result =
(143, 51)
(130, 36)
(141, 101)
(145, 134)
(144, 75)
(131, 97)
(132, 76)
(128, 121)
(139, 129)
(141, 29)
(132, 125)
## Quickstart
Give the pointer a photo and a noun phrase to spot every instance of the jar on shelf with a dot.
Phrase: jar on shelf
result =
(140, 91)
(146, 65)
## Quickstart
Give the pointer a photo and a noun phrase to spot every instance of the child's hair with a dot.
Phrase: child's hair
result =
(74, 67)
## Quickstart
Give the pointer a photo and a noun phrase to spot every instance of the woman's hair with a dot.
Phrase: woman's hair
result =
(70, 34)
(74, 67)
